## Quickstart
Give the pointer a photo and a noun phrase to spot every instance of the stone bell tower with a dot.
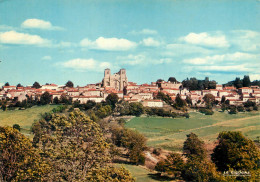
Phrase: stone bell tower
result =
(117, 81)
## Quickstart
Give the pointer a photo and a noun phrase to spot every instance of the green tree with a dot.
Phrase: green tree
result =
(233, 110)
(172, 165)
(123, 108)
(246, 81)
(69, 84)
(255, 83)
(238, 83)
(19, 85)
(212, 84)
(193, 147)
(74, 145)
(65, 100)
(179, 101)
(196, 170)
(209, 99)
(7, 84)
(165, 98)
(46, 98)
(172, 79)
(188, 100)
(56, 100)
(136, 109)
(89, 105)
(19, 161)
(223, 99)
(104, 111)
(134, 141)
(235, 152)
(159, 82)
(17, 126)
(112, 99)
(36, 85)
(4, 107)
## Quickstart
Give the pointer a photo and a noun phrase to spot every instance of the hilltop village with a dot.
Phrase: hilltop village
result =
(132, 92)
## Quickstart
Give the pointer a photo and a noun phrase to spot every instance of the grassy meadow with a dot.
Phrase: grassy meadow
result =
(142, 174)
(25, 118)
(169, 133)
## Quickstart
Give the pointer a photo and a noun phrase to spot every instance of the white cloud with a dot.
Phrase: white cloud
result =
(226, 58)
(13, 37)
(39, 24)
(233, 68)
(254, 77)
(205, 39)
(144, 32)
(6, 28)
(109, 44)
(151, 42)
(197, 61)
(46, 58)
(86, 43)
(86, 64)
(245, 40)
(185, 49)
(64, 44)
(141, 60)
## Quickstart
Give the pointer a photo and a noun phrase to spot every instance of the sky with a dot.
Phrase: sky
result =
(53, 41)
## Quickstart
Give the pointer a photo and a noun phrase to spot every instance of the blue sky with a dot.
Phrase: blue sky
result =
(56, 41)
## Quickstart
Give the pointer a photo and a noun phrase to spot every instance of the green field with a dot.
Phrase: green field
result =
(169, 133)
(25, 118)
(141, 174)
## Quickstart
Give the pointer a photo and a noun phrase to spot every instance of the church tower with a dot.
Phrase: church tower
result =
(106, 80)
(123, 79)
(117, 81)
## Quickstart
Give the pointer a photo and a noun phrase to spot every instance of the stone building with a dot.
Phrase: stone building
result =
(117, 81)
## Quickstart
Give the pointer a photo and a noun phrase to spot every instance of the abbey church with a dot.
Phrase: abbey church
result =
(117, 81)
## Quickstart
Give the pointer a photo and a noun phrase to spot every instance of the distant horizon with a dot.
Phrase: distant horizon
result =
(56, 41)
(75, 85)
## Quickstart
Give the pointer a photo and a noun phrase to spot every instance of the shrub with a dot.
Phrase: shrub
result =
(157, 151)
(136, 109)
(134, 141)
(240, 109)
(255, 108)
(193, 147)
(17, 126)
(206, 111)
(196, 170)
(172, 165)
(233, 110)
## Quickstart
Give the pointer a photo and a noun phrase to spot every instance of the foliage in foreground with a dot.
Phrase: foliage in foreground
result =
(19, 160)
(172, 165)
(235, 152)
(65, 148)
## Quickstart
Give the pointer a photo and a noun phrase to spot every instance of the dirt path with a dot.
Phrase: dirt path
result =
(150, 157)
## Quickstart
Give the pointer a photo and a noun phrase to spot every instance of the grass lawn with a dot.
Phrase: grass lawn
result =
(25, 118)
(169, 133)
(141, 174)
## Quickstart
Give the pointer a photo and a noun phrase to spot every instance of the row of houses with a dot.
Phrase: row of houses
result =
(145, 93)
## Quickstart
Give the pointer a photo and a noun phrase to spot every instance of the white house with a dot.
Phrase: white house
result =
(152, 103)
